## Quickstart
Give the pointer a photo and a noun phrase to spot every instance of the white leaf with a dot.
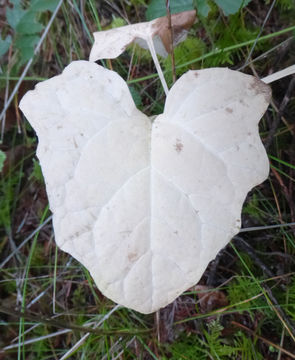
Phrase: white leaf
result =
(109, 44)
(146, 206)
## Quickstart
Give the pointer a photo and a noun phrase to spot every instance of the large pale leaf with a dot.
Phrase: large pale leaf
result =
(146, 206)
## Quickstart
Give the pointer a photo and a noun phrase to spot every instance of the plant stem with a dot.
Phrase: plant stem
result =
(170, 27)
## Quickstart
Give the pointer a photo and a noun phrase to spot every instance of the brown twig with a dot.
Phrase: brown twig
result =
(277, 202)
(282, 107)
(243, 245)
(213, 269)
(291, 184)
(285, 191)
(170, 27)
(65, 325)
(243, 327)
(280, 311)
(286, 321)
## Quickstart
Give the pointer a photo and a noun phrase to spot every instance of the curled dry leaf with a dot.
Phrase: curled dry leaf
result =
(210, 299)
(145, 206)
(110, 44)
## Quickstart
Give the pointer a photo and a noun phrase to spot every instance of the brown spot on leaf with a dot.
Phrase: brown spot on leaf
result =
(260, 87)
(132, 256)
(229, 110)
(178, 146)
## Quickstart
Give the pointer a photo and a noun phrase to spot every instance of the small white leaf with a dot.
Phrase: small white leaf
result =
(111, 43)
(146, 206)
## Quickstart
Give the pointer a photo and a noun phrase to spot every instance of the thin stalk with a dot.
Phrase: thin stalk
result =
(290, 70)
(170, 28)
(158, 67)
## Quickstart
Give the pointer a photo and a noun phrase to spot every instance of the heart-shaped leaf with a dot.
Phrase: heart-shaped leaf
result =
(145, 206)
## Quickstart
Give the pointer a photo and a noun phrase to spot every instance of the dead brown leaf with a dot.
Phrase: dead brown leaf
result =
(180, 22)
(209, 299)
